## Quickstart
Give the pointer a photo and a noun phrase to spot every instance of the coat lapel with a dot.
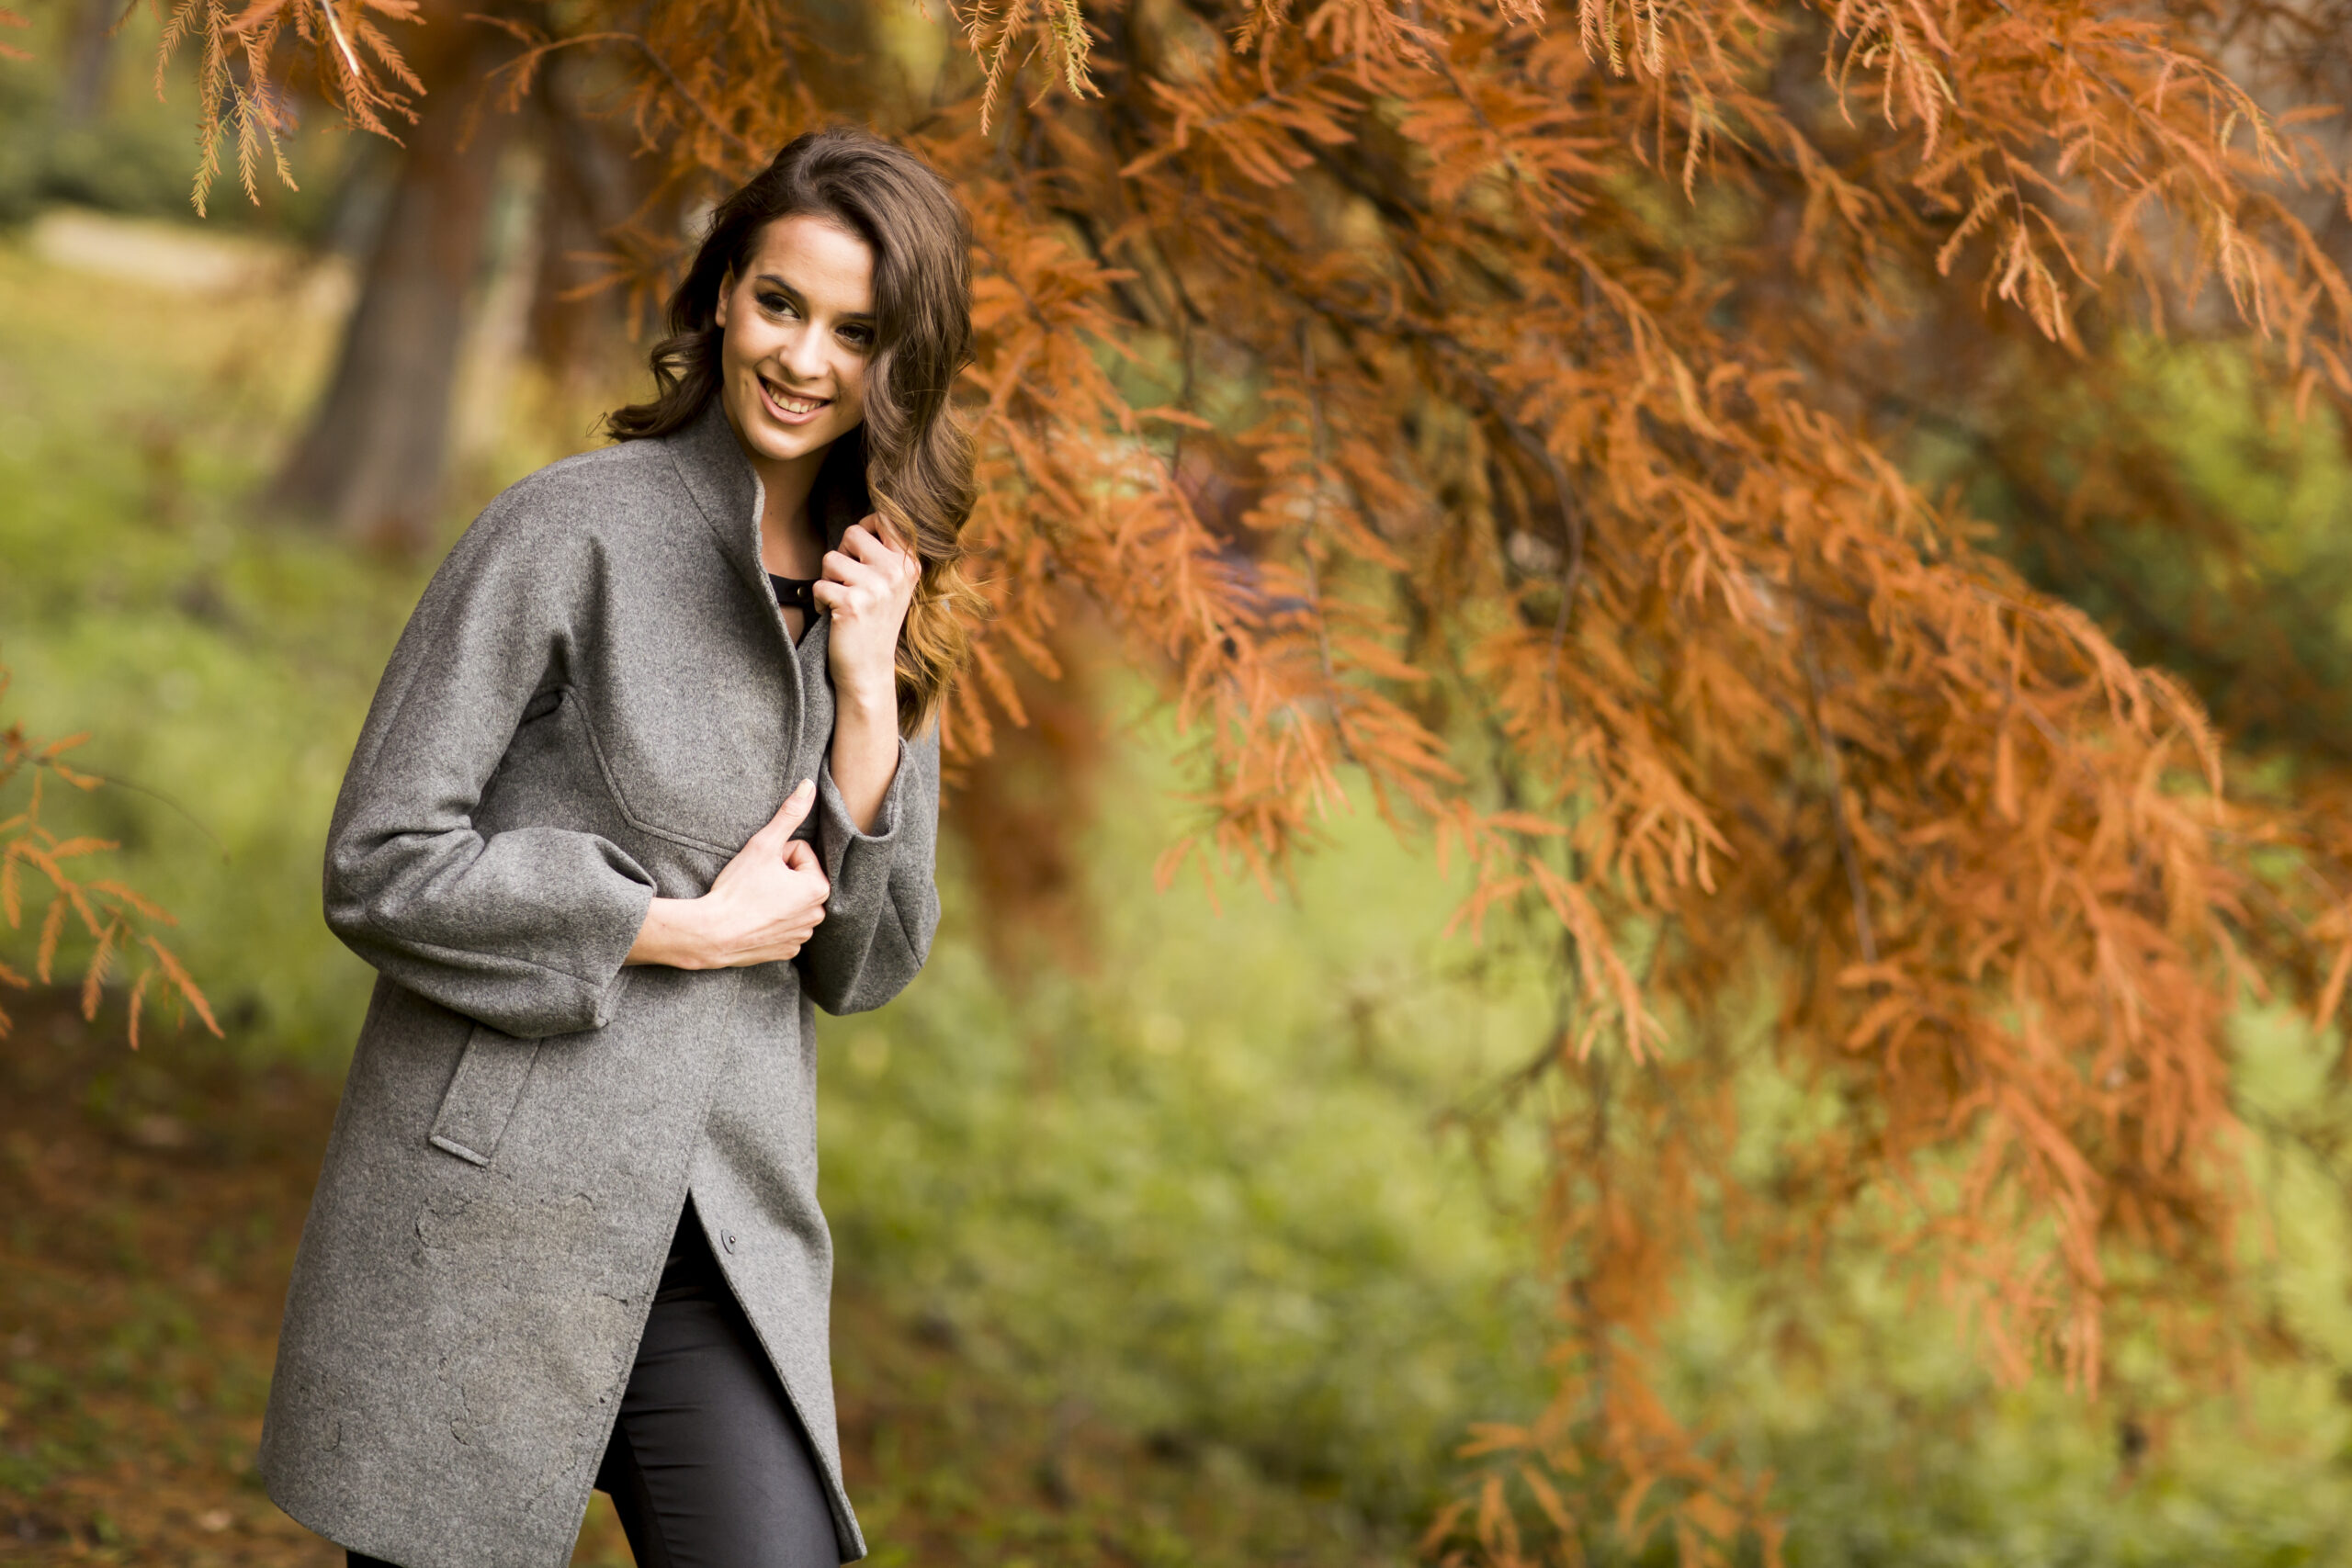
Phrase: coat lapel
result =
(728, 493)
(711, 464)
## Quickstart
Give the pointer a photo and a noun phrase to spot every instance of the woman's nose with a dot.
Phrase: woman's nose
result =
(805, 355)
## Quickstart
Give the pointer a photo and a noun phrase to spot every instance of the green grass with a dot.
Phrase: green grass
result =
(1201, 1193)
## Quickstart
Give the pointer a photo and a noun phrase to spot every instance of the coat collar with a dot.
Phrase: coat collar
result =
(711, 463)
(727, 492)
(712, 466)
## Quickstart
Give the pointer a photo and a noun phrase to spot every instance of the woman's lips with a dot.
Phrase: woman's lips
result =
(777, 410)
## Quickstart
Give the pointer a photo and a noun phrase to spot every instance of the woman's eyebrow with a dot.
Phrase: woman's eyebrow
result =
(866, 317)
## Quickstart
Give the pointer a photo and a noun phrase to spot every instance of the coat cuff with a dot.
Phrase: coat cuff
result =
(608, 973)
(834, 811)
(846, 847)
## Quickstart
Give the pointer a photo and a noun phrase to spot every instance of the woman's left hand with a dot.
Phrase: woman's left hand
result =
(867, 585)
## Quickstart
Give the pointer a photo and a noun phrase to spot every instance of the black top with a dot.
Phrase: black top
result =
(793, 592)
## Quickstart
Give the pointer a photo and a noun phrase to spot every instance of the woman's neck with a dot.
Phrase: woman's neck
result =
(788, 546)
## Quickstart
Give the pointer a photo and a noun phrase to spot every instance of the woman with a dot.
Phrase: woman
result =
(652, 771)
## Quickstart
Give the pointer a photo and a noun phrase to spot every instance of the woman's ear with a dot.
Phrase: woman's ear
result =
(726, 287)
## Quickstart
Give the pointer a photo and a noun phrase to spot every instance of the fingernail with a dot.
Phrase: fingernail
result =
(807, 786)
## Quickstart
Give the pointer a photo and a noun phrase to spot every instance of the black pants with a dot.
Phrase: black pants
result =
(707, 1466)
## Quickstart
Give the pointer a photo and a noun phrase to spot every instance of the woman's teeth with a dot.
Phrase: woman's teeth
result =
(795, 405)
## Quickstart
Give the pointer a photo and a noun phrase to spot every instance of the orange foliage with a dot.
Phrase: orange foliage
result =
(119, 920)
(1539, 354)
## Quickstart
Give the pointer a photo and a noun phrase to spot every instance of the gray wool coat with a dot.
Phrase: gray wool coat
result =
(594, 703)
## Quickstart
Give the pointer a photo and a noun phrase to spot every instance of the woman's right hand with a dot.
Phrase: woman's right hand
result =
(760, 908)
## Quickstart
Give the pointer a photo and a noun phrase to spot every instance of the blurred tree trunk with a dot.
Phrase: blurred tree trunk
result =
(592, 186)
(373, 460)
(89, 60)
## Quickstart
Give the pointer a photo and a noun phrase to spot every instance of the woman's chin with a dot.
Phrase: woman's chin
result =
(770, 440)
(782, 443)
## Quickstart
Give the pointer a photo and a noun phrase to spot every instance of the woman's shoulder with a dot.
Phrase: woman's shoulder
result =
(545, 536)
(599, 500)
(609, 482)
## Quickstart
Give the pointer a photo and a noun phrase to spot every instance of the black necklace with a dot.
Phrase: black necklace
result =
(793, 593)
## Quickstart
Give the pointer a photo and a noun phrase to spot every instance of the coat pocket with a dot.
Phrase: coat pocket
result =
(482, 1097)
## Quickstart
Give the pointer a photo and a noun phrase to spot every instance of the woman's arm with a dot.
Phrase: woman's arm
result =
(884, 906)
(867, 585)
(864, 756)
(878, 798)
(524, 930)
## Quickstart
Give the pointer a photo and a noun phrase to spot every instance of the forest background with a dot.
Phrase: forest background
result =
(1200, 1224)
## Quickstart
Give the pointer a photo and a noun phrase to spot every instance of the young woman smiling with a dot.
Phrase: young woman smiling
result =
(652, 775)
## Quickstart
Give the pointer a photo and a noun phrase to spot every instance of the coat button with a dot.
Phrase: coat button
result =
(727, 1240)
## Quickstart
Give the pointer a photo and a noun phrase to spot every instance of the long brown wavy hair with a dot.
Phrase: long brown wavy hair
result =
(910, 461)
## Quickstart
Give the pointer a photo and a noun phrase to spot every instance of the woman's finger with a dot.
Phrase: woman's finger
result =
(838, 566)
(870, 534)
(791, 814)
(875, 549)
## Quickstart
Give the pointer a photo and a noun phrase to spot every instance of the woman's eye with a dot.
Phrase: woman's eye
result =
(858, 337)
(776, 304)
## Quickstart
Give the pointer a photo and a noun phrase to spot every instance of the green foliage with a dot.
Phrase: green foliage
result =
(1205, 1188)
(2256, 611)
(119, 165)
(1892, 1444)
(138, 157)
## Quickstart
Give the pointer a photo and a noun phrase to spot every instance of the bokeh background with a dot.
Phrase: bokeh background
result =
(1176, 1226)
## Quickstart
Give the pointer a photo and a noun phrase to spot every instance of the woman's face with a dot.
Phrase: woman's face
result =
(798, 325)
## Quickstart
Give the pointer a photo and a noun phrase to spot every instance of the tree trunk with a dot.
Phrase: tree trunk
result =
(89, 62)
(373, 461)
(578, 315)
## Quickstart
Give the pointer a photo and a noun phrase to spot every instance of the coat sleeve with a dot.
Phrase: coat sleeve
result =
(885, 905)
(524, 930)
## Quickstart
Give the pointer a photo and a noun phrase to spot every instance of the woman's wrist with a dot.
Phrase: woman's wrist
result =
(875, 700)
(863, 758)
(676, 934)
